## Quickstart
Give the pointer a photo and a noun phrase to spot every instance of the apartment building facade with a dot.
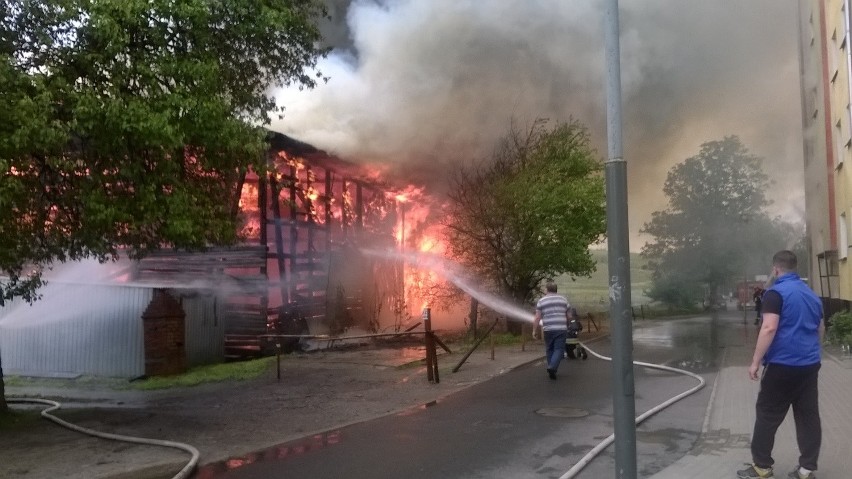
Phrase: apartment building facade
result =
(826, 87)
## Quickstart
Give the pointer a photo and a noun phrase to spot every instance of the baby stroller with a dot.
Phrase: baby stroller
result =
(573, 348)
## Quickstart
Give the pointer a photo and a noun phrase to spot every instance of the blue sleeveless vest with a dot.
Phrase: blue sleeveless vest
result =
(796, 341)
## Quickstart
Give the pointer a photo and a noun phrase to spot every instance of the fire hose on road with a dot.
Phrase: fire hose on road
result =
(190, 466)
(45, 413)
(585, 460)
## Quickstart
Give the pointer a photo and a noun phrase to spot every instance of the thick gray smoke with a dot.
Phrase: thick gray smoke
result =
(431, 83)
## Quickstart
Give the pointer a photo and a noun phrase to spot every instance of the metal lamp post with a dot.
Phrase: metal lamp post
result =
(624, 405)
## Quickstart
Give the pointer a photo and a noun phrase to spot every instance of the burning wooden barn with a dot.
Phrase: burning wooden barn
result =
(301, 269)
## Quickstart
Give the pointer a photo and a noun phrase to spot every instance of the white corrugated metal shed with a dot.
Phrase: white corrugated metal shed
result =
(87, 327)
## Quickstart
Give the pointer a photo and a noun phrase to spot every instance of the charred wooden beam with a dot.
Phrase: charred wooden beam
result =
(261, 209)
(359, 207)
(279, 236)
(235, 202)
(294, 231)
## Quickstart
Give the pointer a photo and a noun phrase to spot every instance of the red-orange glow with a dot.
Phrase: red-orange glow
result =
(284, 161)
(250, 228)
(281, 451)
(318, 193)
(418, 230)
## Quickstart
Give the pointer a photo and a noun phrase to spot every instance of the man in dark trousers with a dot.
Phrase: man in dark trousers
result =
(789, 348)
(552, 311)
(758, 303)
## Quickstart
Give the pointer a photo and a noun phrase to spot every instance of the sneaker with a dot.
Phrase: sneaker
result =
(551, 373)
(795, 474)
(753, 471)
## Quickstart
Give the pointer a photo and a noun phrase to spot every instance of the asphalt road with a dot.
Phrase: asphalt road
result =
(522, 424)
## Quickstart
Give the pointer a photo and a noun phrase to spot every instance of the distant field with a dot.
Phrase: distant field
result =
(591, 294)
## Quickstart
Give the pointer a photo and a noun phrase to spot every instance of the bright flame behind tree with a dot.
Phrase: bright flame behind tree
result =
(406, 216)
(418, 231)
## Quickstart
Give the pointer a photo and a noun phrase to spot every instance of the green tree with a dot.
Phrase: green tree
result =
(675, 290)
(716, 226)
(530, 211)
(124, 124)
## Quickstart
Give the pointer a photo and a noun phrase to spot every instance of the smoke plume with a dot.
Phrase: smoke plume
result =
(428, 84)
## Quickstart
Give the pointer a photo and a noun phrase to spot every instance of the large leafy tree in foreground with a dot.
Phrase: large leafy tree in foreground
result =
(125, 123)
(530, 211)
(715, 228)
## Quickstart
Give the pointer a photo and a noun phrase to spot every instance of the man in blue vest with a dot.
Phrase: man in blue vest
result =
(789, 348)
(553, 312)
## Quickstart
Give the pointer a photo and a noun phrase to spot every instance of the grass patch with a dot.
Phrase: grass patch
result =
(13, 381)
(414, 363)
(236, 371)
(14, 420)
(657, 310)
(504, 339)
(90, 382)
(463, 339)
(592, 294)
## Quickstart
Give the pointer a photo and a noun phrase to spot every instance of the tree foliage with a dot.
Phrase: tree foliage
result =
(675, 291)
(126, 123)
(530, 211)
(715, 228)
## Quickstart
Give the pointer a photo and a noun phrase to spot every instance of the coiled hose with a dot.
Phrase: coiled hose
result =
(585, 460)
(45, 413)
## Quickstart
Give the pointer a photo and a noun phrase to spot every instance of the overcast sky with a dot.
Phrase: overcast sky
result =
(430, 83)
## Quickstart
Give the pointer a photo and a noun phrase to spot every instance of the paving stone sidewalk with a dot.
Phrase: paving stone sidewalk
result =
(724, 444)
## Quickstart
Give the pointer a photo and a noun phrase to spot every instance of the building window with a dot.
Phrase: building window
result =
(832, 57)
(839, 144)
(811, 27)
(843, 241)
(806, 147)
(848, 136)
(811, 99)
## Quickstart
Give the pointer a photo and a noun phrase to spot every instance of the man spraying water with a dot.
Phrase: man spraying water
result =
(552, 311)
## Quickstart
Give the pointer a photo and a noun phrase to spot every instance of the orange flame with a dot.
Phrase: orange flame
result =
(418, 231)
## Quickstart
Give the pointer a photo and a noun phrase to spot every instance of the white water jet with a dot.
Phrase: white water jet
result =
(452, 272)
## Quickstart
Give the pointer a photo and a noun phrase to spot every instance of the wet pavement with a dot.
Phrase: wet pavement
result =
(724, 443)
(521, 424)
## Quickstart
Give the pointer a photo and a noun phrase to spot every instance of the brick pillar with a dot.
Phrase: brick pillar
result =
(163, 322)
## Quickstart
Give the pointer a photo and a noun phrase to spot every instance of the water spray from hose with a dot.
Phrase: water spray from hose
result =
(452, 272)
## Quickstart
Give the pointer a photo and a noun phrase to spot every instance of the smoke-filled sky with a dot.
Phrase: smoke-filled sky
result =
(430, 83)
